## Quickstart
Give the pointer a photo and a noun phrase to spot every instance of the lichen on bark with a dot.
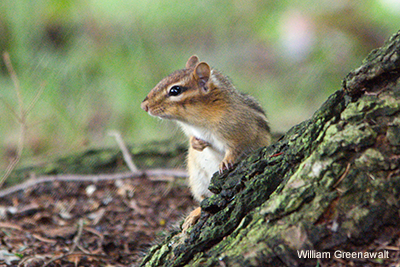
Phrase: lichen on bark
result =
(330, 181)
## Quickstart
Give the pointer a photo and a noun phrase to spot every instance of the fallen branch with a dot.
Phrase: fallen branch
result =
(156, 173)
(125, 151)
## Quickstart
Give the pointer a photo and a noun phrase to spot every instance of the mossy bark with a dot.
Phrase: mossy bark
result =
(330, 181)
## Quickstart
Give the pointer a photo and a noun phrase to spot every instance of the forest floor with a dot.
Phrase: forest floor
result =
(103, 223)
(109, 223)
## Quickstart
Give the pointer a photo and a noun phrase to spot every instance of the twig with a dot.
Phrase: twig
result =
(36, 258)
(70, 253)
(15, 80)
(35, 98)
(74, 245)
(125, 152)
(43, 239)
(343, 176)
(100, 238)
(21, 115)
(91, 178)
(78, 236)
(10, 108)
(77, 254)
(11, 226)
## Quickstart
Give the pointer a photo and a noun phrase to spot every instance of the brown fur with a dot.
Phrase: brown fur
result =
(215, 116)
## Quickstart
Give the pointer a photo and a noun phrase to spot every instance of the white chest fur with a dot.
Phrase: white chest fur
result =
(203, 164)
(205, 135)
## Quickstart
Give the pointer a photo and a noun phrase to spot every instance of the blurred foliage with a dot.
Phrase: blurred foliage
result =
(97, 60)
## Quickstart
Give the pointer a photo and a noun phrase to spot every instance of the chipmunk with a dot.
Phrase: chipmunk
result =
(222, 123)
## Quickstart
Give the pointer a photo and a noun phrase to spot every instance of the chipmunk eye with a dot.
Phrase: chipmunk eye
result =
(175, 90)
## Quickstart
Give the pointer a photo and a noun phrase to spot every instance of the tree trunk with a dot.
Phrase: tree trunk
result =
(330, 184)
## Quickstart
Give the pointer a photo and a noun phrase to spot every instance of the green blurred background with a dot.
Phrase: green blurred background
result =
(97, 60)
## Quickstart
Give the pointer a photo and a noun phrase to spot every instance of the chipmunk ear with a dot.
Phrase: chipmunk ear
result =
(202, 73)
(192, 61)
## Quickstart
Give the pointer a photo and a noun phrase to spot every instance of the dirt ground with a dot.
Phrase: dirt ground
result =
(107, 223)
(112, 223)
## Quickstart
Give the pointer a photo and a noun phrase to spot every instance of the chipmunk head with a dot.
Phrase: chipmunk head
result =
(180, 95)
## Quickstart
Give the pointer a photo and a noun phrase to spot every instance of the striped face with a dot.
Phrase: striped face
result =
(169, 96)
(180, 95)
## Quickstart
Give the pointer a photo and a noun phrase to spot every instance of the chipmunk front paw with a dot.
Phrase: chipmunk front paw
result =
(226, 164)
(198, 144)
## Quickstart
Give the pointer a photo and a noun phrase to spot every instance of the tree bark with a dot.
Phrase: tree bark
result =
(330, 183)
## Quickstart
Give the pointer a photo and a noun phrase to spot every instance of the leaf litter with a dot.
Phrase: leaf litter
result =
(104, 223)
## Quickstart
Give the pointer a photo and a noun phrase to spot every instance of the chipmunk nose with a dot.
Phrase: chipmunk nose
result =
(144, 105)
